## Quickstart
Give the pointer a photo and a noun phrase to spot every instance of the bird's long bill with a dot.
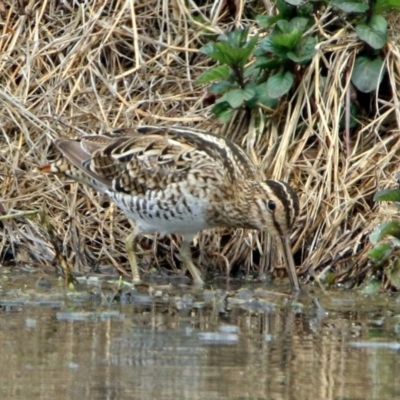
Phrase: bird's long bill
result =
(291, 269)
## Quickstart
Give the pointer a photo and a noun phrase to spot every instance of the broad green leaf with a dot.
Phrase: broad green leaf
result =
(284, 26)
(220, 87)
(387, 195)
(267, 62)
(373, 33)
(208, 48)
(350, 6)
(223, 111)
(382, 6)
(265, 21)
(268, 46)
(226, 54)
(367, 74)
(223, 52)
(236, 97)
(285, 10)
(222, 57)
(394, 274)
(219, 51)
(385, 228)
(279, 84)
(287, 40)
(391, 228)
(261, 96)
(213, 74)
(299, 23)
(306, 11)
(380, 253)
(251, 71)
(247, 50)
(305, 51)
(236, 38)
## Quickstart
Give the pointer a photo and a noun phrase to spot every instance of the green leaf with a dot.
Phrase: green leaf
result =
(391, 228)
(300, 24)
(387, 195)
(225, 53)
(382, 6)
(305, 51)
(380, 253)
(207, 48)
(222, 57)
(287, 40)
(248, 48)
(218, 51)
(236, 97)
(265, 21)
(236, 38)
(284, 26)
(261, 96)
(251, 71)
(284, 9)
(220, 87)
(267, 45)
(264, 62)
(373, 33)
(350, 6)
(223, 111)
(306, 10)
(279, 84)
(394, 274)
(367, 74)
(213, 74)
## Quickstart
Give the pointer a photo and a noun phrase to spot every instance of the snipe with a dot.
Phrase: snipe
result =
(180, 180)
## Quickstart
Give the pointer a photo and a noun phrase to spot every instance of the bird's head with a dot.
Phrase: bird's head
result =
(276, 209)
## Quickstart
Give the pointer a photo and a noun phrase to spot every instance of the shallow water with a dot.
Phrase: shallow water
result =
(247, 342)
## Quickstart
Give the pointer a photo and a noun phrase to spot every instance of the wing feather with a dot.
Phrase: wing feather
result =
(151, 158)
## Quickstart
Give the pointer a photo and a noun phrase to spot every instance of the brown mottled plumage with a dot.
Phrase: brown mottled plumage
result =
(180, 180)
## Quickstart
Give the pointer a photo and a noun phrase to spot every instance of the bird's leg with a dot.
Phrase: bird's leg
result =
(186, 256)
(131, 245)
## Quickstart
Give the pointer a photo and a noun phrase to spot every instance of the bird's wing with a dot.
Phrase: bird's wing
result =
(78, 154)
(236, 163)
(151, 158)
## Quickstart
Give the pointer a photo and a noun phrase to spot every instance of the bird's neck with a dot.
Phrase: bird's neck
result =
(239, 210)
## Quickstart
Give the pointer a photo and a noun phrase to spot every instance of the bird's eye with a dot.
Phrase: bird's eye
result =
(271, 205)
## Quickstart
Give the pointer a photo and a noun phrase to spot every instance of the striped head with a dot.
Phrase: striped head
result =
(278, 208)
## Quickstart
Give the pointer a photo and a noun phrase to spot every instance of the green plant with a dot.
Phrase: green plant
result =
(256, 71)
(384, 255)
